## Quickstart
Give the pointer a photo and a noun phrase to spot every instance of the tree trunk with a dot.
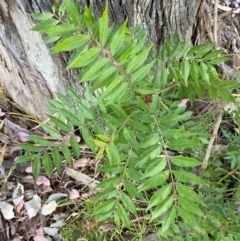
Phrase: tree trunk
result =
(30, 76)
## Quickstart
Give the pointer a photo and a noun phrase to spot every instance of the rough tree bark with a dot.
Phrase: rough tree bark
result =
(29, 75)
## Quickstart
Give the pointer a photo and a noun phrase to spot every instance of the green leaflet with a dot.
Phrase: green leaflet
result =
(194, 71)
(36, 167)
(117, 93)
(132, 189)
(66, 152)
(57, 160)
(72, 11)
(105, 78)
(155, 167)
(141, 72)
(42, 16)
(123, 215)
(176, 134)
(128, 203)
(162, 208)
(51, 131)
(188, 177)
(44, 25)
(185, 69)
(183, 161)
(149, 154)
(160, 195)
(161, 78)
(169, 219)
(71, 117)
(25, 158)
(118, 39)
(30, 147)
(47, 164)
(138, 60)
(169, 119)
(107, 194)
(104, 207)
(204, 72)
(84, 59)
(104, 27)
(154, 181)
(64, 100)
(93, 72)
(70, 43)
(117, 81)
(187, 217)
(181, 144)
(75, 146)
(109, 183)
(39, 140)
(60, 124)
(150, 140)
(213, 54)
(60, 29)
(190, 206)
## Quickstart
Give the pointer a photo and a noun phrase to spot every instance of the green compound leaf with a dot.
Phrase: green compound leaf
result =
(183, 161)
